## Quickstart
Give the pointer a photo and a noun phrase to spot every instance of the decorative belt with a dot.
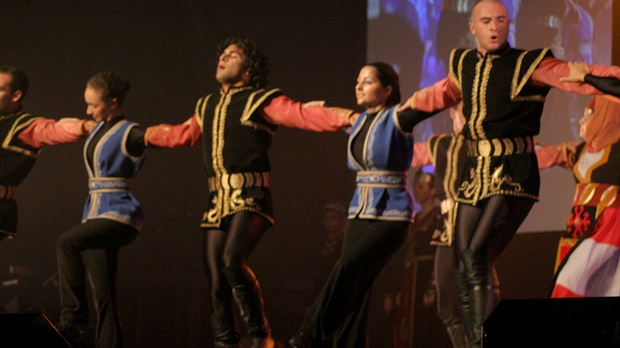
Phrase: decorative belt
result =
(238, 180)
(500, 146)
(98, 185)
(381, 179)
(7, 192)
(598, 195)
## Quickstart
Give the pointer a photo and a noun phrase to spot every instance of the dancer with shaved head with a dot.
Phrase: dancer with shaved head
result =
(503, 91)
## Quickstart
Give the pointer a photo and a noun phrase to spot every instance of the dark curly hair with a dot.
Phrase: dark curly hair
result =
(256, 62)
(388, 77)
(111, 86)
(19, 81)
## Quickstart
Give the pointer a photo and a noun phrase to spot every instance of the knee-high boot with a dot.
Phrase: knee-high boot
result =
(456, 331)
(462, 290)
(248, 295)
(475, 265)
(225, 334)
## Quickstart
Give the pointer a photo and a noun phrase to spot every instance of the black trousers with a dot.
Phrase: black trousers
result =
(448, 304)
(226, 251)
(339, 314)
(91, 249)
(482, 233)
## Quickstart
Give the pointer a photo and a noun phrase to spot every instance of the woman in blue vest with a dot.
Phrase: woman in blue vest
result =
(113, 154)
(380, 150)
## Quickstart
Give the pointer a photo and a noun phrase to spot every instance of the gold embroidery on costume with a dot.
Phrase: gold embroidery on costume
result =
(484, 148)
(518, 84)
(452, 173)
(16, 127)
(498, 179)
(233, 192)
(471, 121)
(252, 105)
(481, 83)
(460, 67)
(201, 107)
(468, 187)
(238, 203)
(213, 215)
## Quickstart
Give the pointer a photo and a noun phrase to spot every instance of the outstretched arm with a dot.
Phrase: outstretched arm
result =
(555, 155)
(313, 116)
(166, 135)
(45, 131)
(580, 72)
(434, 98)
(557, 73)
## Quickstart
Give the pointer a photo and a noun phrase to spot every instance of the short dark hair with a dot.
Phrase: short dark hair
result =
(388, 77)
(111, 86)
(256, 62)
(19, 81)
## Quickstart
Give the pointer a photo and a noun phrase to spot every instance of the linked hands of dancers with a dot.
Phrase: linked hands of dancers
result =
(578, 71)
(88, 126)
(405, 106)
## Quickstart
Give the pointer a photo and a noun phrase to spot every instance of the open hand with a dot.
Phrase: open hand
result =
(578, 71)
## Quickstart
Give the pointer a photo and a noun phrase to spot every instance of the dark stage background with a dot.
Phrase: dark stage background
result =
(167, 51)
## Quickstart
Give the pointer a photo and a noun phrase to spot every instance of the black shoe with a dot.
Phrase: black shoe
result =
(300, 341)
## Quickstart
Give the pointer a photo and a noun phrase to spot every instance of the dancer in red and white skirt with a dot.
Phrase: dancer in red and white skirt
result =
(588, 261)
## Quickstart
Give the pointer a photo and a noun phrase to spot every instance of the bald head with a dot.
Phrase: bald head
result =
(480, 3)
(489, 25)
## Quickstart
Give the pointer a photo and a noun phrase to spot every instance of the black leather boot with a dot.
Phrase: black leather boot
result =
(462, 290)
(224, 329)
(247, 293)
(475, 265)
(456, 331)
(250, 301)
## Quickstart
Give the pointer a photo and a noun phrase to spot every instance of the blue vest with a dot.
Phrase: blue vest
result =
(110, 178)
(381, 191)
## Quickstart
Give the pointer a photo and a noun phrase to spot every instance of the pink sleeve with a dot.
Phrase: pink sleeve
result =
(549, 156)
(550, 70)
(45, 131)
(438, 96)
(284, 111)
(165, 135)
(421, 156)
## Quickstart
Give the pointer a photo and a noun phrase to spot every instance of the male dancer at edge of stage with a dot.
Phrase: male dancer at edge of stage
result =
(23, 135)
(503, 90)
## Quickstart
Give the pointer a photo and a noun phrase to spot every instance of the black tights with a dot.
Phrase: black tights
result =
(482, 233)
(226, 252)
(489, 227)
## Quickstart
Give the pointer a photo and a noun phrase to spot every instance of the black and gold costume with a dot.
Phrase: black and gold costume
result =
(16, 161)
(238, 171)
(447, 153)
(503, 94)
(503, 114)
(236, 127)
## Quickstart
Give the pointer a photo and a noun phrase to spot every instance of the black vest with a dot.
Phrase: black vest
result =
(236, 137)
(497, 100)
(16, 158)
